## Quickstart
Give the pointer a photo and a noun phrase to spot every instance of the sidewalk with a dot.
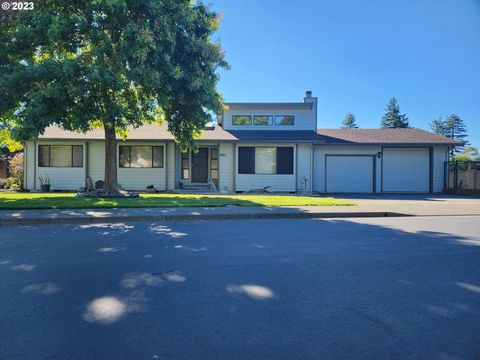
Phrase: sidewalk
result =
(366, 207)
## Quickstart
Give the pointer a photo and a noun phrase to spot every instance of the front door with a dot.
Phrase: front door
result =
(200, 166)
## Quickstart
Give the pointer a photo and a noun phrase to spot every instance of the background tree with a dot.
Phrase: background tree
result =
(455, 129)
(468, 153)
(393, 118)
(7, 142)
(349, 122)
(110, 64)
(438, 127)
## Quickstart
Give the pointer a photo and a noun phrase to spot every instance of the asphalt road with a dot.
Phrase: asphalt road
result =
(389, 288)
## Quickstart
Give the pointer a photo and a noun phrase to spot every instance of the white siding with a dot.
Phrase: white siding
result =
(440, 155)
(350, 174)
(29, 176)
(277, 182)
(226, 153)
(323, 150)
(304, 119)
(140, 178)
(406, 170)
(304, 167)
(96, 160)
(170, 156)
(62, 178)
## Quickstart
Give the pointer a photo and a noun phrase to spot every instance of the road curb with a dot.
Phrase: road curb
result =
(194, 217)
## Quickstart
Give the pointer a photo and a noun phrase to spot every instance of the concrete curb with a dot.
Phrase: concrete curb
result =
(192, 217)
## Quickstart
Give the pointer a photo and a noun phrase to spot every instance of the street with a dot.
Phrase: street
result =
(379, 288)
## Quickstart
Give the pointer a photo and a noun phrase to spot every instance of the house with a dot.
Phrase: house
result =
(254, 145)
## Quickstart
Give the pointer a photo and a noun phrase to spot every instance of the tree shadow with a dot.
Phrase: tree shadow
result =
(340, 288)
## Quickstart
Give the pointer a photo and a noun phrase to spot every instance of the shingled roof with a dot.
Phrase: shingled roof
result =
(152, 132)
(383, 136)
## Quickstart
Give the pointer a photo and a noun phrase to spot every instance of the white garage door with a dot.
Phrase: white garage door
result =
(406, 170)
(349, 174)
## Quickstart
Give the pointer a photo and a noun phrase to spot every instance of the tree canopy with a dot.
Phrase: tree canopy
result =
(454, 128)
(350, 122)
(111, 64)
(393, 118)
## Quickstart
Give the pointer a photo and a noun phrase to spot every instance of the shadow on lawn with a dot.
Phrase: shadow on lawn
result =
(69, 202)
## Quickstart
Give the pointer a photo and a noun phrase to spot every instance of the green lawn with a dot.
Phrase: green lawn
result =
(16, 201)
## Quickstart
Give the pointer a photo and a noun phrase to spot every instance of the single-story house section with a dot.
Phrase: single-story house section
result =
(254, 145)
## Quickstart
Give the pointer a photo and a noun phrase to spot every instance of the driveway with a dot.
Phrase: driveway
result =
(385, 288)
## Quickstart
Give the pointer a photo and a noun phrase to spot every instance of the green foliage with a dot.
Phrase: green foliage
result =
(349, 122)
(438, 127)
(13, 183)
(15, 168)
(113, 63)
(468, 153)
(393, 118)
(454, 128)
(6, 140)
(44, 180)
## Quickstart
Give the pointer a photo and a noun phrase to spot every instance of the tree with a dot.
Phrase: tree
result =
(393, 118)
(468, 153)
(455, 129)
(7, 142)
(110, 64)
(349, 122)
(438, 127)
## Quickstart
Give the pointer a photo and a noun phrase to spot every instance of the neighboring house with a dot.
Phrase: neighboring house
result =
(254, 145)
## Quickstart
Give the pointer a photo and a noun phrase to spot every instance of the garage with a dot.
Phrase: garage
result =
(350, 173)
(406, 170)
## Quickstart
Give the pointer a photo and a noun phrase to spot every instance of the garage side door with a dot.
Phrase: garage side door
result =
(349, 174)
(406, 170)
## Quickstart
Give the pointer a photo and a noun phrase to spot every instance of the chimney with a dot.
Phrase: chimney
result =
(308, 94)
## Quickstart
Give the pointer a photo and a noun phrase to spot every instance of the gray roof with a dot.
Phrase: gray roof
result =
(322, 136)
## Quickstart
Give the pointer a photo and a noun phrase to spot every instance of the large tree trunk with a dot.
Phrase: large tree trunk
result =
(111, 184)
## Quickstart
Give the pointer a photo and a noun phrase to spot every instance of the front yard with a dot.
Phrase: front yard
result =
(18, 201)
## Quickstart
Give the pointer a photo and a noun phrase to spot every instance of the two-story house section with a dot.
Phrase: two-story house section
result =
(277, 146)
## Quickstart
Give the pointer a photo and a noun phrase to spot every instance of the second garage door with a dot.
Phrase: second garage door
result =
(349, 174)
(406, 170)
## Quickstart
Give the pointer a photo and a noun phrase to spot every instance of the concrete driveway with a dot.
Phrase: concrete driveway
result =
(388, 288)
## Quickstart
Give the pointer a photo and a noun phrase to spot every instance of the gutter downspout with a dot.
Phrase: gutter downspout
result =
(312, 175)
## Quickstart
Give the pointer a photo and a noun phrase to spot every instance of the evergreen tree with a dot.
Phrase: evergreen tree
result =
(455, 129)
(349, 122)
(393, 118)
(438, 127)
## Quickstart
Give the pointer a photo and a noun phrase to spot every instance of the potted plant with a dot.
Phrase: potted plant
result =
(151, 189)
(44, 183)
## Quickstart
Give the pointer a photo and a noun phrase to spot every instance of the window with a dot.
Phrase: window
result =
(140, 156)
(214, 164)
(263, 120)
(241, 120)
(60, 155)
(185, 165)
(265, 160)
(284, 120)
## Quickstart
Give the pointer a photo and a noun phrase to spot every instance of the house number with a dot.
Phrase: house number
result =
(223, 155)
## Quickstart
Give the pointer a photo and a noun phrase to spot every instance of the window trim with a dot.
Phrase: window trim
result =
(278, 116)
(294, 157)
(268, 116)
(249, 116)
(50, 156)
(151, 157)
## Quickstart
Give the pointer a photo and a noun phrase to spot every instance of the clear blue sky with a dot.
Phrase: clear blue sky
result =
(355, 55)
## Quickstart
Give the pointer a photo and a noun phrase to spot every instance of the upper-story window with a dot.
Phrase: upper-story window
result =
(284, 120)
(60, 156)
(263, 120)
(241, 120)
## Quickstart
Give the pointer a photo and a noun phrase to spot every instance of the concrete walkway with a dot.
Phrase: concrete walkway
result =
(368, 206)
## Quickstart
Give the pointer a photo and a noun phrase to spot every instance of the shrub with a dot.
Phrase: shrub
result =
(15, 166)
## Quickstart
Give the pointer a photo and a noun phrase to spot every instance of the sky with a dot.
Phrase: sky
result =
(355, 55)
